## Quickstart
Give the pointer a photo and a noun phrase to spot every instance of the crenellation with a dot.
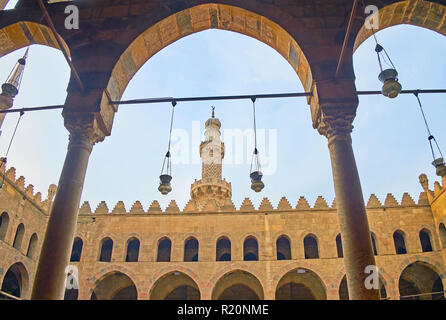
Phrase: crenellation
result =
(190, 207)
(38, 198)
(172, 207)
(247, 206)
(85, 209)
(390, 201)
(20, 183)
(265, 205)
(320, 203)
(102, 208)
(228, 206)
(137, 208)
(407, 200)
(10, 174)
(29, 191)
(437, 189)
(119, 208)
(302, 204)
(333, 204)
(423, 199)
(155, 208)
(284, 204)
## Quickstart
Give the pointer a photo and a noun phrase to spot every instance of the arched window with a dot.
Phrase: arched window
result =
(250, 249)
(106, 250)
(164, 246)
(442, 232)
(283, 248)
(19, 236)
(223, 251)
(339, 246)
(425, 240)
(191, 250)
(310, 247)
(32, 247)
(4, 222)
(400, 243)
(76, 251)
(132, 250)
(374, 247)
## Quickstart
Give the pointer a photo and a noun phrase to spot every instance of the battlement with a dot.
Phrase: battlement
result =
(27, 191)
(439, 189)
(247, 206)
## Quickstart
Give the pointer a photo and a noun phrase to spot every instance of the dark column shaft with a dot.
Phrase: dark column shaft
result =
(50, 278)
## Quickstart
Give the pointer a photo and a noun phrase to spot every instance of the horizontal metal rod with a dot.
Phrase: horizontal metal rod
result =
(216, 98)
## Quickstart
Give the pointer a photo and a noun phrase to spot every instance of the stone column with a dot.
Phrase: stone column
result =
(50, 277)
(336, 124)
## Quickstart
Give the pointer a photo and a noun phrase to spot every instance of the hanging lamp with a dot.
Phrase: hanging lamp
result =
(166, 171)
(389, 77)
(438, 162)
(256, 176)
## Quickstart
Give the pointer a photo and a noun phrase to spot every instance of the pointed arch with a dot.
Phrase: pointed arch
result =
(425, 240)
(223, 249)
(106, 251)
(32, 246)
(164, 250)
(399, 240)
(76, 251)
(18, 238)
(250, 249)
(283, 248)
(132, 254)
(4, 223)
(311, 248)
(191, 250)
(339, 246)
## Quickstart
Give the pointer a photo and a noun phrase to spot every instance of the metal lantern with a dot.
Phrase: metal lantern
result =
(256, 181)
(165, 186)
(391, 87)
(256, 176)
(389, 77)
(166, 171)
(440, 167)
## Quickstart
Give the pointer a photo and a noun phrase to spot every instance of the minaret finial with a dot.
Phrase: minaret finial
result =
(213, 112)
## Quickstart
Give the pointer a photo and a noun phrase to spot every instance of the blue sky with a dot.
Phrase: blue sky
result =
(389, 138)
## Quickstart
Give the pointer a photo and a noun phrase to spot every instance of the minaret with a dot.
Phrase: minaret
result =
(212, 151)
(11, 87)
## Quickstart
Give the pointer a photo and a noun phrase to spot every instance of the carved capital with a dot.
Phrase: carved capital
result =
(83, 128)
(336, 123)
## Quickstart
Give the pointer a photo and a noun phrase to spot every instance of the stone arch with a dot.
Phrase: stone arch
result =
(238, 285)
(421, 13)
(399, 241)
(339, 248)
(311, 246)
(25, 33)
(283, 247)
(114, 285)
(199, 18)
(76, 251)
(191, 246)
(250, 249)
(175, 285)
(16, 280)
(300, 284)
(426, 240)
(442, 234)
(106, 250)
(164, 249)
(374, 243)
(420, 281)
(4, 223)
(32, 246)
(18, 238)
(223, 249)
(132, 249)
